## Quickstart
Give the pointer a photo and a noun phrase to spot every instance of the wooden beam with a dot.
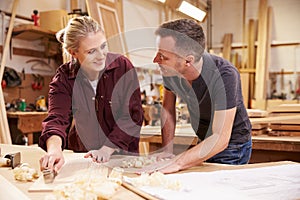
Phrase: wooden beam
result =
(245, 88)
(4, 128)
(227, 40)
(263, 48)
(244, 50)
(173, 4)
(251, 44)
(28, 52)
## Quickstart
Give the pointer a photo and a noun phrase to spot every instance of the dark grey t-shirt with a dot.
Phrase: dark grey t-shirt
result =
(217, 88)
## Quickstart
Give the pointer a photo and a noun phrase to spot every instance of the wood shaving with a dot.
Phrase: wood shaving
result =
(138, 162)
(24, 172)
(156, 179)
(92, 186)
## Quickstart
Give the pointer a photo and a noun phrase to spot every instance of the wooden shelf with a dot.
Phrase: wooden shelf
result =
(273, 44)
(251, 70)
(31, 32)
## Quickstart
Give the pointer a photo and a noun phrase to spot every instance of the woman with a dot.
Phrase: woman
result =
(94, 100)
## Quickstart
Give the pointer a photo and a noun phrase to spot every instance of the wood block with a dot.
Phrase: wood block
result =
(259, 132)
(257, 113)
(52, 20)
(284, 133)
(285, 127)
(286, 108)
(259, 126)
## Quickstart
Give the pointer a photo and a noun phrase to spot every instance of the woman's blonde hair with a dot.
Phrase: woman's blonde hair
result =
(77, 28)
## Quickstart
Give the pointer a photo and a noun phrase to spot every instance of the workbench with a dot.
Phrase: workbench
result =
(264, 148)
(27, 122)
(32, 154)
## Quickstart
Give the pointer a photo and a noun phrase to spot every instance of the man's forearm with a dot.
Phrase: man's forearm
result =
(168, 132)
(203, 151)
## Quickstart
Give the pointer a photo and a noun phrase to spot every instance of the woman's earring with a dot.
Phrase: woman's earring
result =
(73, 61)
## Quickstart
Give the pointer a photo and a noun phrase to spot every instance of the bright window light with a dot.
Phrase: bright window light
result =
(192, 11)
(163, 1)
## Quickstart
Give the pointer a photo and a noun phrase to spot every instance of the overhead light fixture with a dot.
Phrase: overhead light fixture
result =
(192, 11)
(163, 1)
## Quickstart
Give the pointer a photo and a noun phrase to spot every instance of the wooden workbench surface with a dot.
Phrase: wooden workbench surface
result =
(20, 113)
(31, 155)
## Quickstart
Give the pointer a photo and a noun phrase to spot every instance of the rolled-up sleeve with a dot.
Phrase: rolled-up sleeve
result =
(59, 110)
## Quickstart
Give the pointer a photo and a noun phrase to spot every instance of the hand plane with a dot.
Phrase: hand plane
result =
(49, 175)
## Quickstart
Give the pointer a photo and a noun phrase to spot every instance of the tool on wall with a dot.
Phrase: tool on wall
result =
(38, 82)
(40, 65)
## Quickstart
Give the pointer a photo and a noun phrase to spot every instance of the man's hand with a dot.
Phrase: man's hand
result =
(163, 156)
(165, 166)
(102, 155)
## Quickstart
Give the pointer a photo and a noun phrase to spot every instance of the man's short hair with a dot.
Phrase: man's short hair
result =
(188, 35)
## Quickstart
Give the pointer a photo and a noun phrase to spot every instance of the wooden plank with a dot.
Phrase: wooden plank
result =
(257, 113)
(4, 128)
(280, 119)
(259, 126)
(227, 40)
(173, 4)
(285, 108)
(251, 44)
(31, 32)
(284, 143)
(74, 4)
(259, 132)
(285, 127)
(244, 48)
(284, 133)
(245, 87)
(262, 56)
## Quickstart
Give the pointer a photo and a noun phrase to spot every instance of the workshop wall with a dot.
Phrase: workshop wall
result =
(141, 17)
(227, 17)
(28, 67)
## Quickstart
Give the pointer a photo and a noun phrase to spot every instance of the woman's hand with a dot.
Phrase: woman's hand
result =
(102, 155)
(53, 160)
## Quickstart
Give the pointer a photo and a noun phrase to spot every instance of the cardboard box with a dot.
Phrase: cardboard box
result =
(53, 20)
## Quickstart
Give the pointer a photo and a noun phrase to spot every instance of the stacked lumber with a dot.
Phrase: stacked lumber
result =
(258, 128)
(286, 128)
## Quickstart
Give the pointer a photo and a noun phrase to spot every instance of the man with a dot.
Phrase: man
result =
(211, 88)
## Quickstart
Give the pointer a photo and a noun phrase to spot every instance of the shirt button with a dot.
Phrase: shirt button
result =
(101, 97)
(93, 98)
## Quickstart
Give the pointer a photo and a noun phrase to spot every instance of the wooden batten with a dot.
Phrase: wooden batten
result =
(4, 128)
(245, 87)
(263, 49)
(227, 40)
(173, 4)
(251, 44)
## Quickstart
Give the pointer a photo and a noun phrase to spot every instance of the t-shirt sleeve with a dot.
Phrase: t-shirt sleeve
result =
(225, 89)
